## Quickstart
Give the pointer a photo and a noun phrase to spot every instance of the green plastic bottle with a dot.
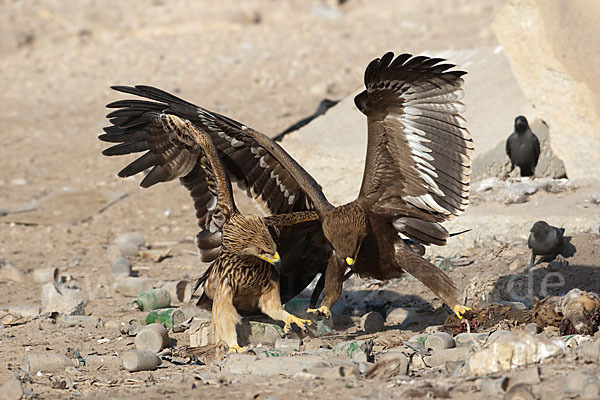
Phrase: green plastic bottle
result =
(168, 317)
(152, 299)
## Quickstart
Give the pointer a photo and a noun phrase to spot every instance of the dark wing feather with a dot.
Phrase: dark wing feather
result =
(303, 248)
(251, 158)
(418, 155)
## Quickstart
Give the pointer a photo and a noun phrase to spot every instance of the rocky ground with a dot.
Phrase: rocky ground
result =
(267, 64)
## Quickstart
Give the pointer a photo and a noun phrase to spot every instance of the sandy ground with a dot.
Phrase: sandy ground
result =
(265, 63)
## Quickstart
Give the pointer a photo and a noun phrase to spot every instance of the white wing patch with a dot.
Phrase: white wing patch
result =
(421, 156)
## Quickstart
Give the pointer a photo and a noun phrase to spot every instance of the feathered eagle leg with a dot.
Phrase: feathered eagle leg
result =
(334, 277)
(427, 273)
(225, 317)
(270, 304)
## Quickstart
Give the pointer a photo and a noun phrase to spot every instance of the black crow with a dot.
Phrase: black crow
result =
(545, 240)
(523, 148)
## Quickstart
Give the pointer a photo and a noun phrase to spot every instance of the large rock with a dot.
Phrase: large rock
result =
(548, 44)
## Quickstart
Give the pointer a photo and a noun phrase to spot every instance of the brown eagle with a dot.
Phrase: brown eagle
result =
(416, 173)
(245, 271)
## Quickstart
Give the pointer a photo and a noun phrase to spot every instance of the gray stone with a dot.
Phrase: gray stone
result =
(470, 339)
(128, 249)
(492, 387)
(500, 336)
(49, 362)
(372, 322)
(391, 364)
(153, 337)
(132, 286)
(121, 267)
(61, 299)
(288, 344)
(134, 238)
(11, 390)
(439, 341)
(441, 357)
(140, 360)
(589, 351)
(532, 328)
(529, 376)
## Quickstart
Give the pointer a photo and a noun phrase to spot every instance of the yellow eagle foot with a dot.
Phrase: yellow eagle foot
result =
(323, 310)
(236, 349)
(292, 319)
(460, 310)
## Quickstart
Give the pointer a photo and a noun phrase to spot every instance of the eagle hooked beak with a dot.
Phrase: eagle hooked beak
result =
(351, 260)
(274, 260)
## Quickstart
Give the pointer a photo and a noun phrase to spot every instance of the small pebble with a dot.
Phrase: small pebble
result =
(516, 265)
(501, 336)
(492, 387)
(133, 286)
(589, 351)
(134, 238)
(532, 328)
(121, 267)
(113, 253)
(372, 322)
(128, 249)
(469, 339)
(441, 357)
(140, 360)
(288, 344)
(530, 376)
(11, 390)
(439, 341)
(397, 316)
(153, 337)
(179, 290)
(519, 392)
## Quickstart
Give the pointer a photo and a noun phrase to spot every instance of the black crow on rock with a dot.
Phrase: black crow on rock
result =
(523, 148)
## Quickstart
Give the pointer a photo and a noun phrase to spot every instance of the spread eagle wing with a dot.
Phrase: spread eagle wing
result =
(257, 163)
(418, 154)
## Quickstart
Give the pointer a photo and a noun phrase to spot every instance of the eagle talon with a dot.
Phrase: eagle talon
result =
(323, 310)
(236, 349)
(460, 310)
(292, 319)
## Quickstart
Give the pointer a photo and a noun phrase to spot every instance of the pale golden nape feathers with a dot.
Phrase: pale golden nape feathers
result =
(248, 235)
